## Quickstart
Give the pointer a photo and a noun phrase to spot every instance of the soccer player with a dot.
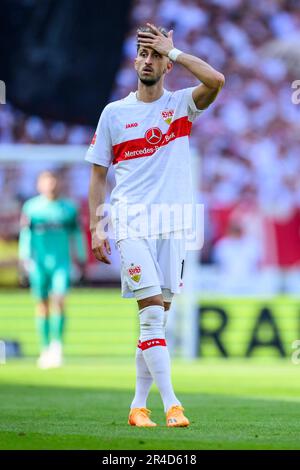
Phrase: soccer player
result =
(146, 137)
(50, 231)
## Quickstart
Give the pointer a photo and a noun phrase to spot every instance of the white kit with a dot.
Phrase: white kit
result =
(148, 144)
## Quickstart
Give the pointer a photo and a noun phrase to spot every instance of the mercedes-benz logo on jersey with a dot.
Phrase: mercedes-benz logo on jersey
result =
(153, 135)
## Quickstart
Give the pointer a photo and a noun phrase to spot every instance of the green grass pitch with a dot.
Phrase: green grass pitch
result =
(232, 404)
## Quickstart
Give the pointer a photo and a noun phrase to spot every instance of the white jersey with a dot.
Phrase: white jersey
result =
(148, 144)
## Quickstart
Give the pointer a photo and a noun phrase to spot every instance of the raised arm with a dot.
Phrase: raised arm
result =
(211, 80)
(100, 243)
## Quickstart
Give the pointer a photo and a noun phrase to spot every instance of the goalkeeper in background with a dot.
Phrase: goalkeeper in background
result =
(50, 232)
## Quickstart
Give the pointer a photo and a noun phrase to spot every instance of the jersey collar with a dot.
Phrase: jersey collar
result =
(132, 98)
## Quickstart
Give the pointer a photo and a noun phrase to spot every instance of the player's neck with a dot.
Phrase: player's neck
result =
(51, 197)
(149, 93)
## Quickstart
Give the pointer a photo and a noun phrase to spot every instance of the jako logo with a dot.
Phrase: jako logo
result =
(131, 124)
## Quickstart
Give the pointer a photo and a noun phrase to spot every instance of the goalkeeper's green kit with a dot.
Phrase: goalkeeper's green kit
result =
(49, 231)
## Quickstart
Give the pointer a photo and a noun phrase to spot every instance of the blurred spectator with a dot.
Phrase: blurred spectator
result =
(9, 228)
(8, 257)
(238, 257)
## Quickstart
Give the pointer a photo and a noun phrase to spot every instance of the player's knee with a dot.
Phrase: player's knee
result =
(58, 304)
(150, 301)
(152, 315)
(167, 296)
(42, 309)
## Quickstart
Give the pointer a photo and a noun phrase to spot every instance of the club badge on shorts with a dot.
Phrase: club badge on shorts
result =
(135, 272)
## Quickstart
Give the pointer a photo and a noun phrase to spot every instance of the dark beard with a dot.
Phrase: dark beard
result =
(149, 81)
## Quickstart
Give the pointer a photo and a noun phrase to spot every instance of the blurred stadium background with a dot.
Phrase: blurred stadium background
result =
(65, 61)
(62, 61)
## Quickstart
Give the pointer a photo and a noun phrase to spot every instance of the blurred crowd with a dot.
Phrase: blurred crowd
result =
(248, 141)
(17, 127)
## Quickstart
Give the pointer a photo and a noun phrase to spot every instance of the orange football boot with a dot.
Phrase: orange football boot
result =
(176, 418)
(140, 417)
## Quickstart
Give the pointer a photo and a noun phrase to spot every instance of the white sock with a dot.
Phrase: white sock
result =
(155, 352)
(144, 378)
(143, 381)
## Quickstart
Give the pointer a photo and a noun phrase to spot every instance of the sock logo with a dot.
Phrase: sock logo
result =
(151, 343)
(135, 272)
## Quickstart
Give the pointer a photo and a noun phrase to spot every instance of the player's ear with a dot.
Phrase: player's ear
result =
(169, 66)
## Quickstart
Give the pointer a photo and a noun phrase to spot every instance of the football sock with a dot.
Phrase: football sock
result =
(144, 378)
(166, 312)
(143, 381)
(57, 323)
(155, 352)
(42, 325)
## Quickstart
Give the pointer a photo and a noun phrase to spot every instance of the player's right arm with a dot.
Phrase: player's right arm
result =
(100, 242)
(100, 155)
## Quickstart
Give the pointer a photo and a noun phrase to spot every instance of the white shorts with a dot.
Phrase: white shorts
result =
(156, 263)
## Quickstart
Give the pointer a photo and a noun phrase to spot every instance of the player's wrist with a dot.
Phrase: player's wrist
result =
(174, 53)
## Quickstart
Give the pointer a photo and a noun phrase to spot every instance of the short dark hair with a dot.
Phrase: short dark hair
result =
(147, 29)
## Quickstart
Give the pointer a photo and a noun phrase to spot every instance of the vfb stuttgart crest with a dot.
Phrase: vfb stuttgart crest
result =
(167, 115)
(135, 272)
(153, 135)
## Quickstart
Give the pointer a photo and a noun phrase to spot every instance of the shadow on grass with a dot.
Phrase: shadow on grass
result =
(39, 417)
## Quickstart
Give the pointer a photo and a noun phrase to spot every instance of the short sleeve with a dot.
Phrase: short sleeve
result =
(100, 150)
(188, 102)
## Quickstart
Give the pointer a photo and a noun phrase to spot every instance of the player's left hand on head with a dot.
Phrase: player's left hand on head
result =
(156, 40)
